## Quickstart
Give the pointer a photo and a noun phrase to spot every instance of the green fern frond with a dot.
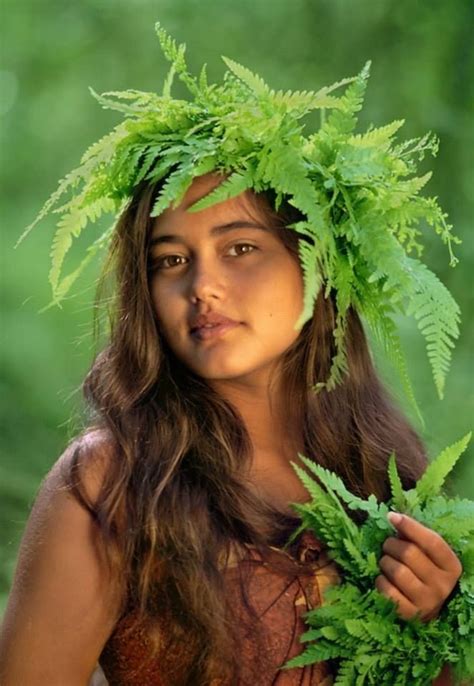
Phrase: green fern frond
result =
(302, 102)
(168, 82)
(109, 104)
(313, 488)
(435, 217)
(398, 498)
(359, 166)
(103, 149)
(334, 486)
(334, 483)
(436, 472)
(169, 47)
(236, 183)
(418, 147)
(379, 319)
(143, 101)
(254, 82)
(64, 286)
(70, 181)
(175, 55)
(438, 317)
(339, 363)
(342, 121)
(69, 227)
(308, 254)
(148, 158)
(376, 137)
(174, 188)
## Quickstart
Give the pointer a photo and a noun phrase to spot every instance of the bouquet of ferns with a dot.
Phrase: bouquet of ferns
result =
(357, 626)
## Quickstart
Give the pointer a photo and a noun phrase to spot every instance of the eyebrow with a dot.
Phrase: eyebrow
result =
(215, 231)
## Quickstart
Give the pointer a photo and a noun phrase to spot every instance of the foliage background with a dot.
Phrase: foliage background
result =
(52, 50)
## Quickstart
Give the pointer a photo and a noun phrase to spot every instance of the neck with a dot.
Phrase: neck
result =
(275, 430)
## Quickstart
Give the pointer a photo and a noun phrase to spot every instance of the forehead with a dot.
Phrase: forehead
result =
(241, 207)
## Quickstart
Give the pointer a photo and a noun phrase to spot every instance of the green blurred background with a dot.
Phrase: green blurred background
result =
(422, 70)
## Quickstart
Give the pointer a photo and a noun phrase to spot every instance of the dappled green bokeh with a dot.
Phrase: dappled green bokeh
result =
(421, 70)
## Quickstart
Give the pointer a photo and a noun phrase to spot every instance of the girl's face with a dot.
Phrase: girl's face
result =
(242, 272)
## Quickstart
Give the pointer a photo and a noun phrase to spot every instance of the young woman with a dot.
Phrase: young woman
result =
(156, 545)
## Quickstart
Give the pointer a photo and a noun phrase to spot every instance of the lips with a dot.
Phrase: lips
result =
(205, 333)
(213, 319)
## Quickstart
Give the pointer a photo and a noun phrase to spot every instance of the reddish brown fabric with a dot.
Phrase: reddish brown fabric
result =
(280, 602)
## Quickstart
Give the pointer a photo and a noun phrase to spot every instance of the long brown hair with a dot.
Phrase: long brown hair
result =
(174, 497)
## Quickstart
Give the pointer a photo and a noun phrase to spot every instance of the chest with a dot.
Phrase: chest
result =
(277, 483)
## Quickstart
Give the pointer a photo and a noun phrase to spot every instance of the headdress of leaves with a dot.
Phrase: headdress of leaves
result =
(358, 193)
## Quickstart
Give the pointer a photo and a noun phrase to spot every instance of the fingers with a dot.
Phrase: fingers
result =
(403, 579)
(430, 542)
(419, 569)
(413, 557)
(405, 608)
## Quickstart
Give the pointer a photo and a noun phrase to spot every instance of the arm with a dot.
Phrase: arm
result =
(61, 608)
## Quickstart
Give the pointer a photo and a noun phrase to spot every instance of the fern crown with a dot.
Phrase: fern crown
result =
(359, 193)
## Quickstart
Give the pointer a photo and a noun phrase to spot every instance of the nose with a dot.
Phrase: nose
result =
(205, 280)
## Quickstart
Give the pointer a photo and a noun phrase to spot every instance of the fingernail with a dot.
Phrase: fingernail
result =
(394, 517)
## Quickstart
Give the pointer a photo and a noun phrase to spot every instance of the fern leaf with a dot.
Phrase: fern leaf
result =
(376, 138)
(311, 486)
(70, 226)
(334, 483)
(71, 179)
(437, 471)
(252, 81)
(437, 315)
(174, 188)
(385, 332)
(175, 55)
(104, 148)
(308, 254)
(236, 183)
(108, 104)
(398, 498)
(64, 286)
(341, 122)
(334, 486)
(300, 103)
(169, 81)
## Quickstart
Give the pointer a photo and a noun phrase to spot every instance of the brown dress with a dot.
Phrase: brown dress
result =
(280, 602)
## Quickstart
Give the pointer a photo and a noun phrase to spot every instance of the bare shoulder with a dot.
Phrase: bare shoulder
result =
(63, 603)
(89, 456)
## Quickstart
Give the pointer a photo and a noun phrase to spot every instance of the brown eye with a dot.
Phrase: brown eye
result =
(245, 245)
(160, 263)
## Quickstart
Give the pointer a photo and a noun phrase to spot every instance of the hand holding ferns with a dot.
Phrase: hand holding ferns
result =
(403, 629)
(420, 569)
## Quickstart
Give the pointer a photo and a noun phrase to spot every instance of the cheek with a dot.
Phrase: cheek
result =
(160, 297)
(283, 291)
